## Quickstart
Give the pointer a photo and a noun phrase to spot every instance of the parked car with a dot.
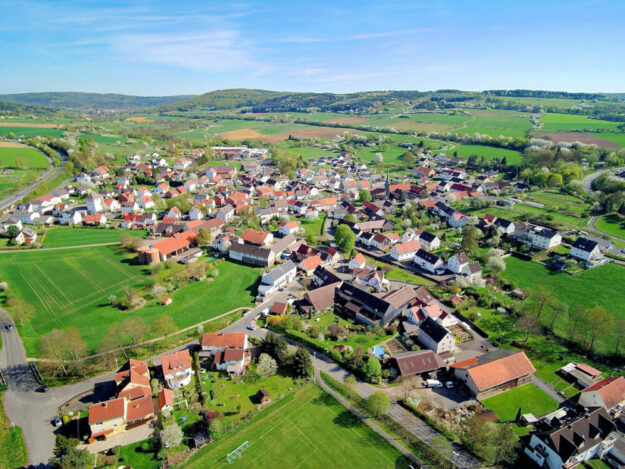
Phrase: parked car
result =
(449, 384)
(8, 327)
(56, 421)
(251, 327)
(42, 388)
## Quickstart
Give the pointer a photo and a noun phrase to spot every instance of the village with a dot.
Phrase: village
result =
(372, 272)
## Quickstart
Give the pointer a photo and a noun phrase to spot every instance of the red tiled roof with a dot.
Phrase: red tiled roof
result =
(254, 236)
(611, 390)
(278, 308)
(169, 245)
(413, 245)
(139, 409)
(165, 397)
(221, 339)
(499, 371)
(311, 263)
(106, 411)
(588, 369)
(175, 362)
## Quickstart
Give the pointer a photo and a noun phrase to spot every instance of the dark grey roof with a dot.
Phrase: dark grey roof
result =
(433, 329)
(325, 275)
(250, 250)
(503, 222)
(584, 244)
(364, 298)
(427, 256)
(429, 237)
(410, 363)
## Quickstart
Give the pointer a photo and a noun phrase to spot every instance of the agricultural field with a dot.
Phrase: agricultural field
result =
(496, 123)
(104, 139)
(62, 236)
(513, 157)
(70, 288)
(22, 157)
(528, 397)
(27, 132)
(564, 203)
(594, 287)
(619, 139)
(553, 122)
(311, 430)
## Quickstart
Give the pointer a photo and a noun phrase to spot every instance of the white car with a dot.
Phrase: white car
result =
(251, 327)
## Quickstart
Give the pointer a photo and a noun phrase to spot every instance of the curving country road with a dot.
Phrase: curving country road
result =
(587, 181)
(47, 175)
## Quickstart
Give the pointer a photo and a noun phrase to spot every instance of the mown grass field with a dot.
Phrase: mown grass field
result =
(26, 157)
(528, 397)
(31, 131)
(553, 122)
(600, 286)
(106, 139)
(611, 224)
(619, 139)
(489, 153)
(12, 447)
(311, 430)
(70, 288)
(61, 236)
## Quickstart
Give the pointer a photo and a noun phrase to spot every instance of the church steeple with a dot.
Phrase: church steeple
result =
(387, 187)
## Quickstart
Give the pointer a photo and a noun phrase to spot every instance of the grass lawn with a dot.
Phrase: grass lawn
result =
(311, 227)
(597, 464)
(619, 139)
(311, 430)
(22, 157)
(528, 397)
(594, 287)
(134, 456)
(395, 273)
(611, 224)
(13, 453)
(63, 236)
(234, 393)
(70, 288)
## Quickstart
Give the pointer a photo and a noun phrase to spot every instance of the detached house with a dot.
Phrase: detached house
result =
(435, 337)
(214, 342)
(177, 369)
(287, 228)
(586, 250)
(429, 241)
(428, 261)
(405, 251)
(608, 393)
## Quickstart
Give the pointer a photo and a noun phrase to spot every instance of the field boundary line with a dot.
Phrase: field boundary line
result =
(46, 306)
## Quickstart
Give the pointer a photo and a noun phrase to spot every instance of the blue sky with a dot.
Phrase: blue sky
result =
(178, 47)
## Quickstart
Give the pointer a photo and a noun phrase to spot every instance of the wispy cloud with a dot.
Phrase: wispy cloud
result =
(220, 50)
(354, 37)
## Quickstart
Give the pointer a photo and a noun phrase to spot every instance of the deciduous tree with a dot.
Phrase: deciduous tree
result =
(378, 403)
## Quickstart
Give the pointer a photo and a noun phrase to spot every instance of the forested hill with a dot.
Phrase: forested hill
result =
(247, 100)
(75, 100)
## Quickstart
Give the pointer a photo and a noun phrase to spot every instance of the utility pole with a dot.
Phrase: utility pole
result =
(314, 367)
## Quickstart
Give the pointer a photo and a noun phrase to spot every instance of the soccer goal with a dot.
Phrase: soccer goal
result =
(236, 453)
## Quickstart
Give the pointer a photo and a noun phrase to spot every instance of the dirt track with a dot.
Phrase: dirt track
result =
(11, 145)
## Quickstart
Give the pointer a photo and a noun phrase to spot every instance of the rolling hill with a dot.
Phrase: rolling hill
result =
(76, 100)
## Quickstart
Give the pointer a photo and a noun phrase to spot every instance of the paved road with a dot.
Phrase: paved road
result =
(587, 181)
(47, 175)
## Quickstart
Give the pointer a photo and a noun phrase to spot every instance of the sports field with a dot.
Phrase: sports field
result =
(311, 430)
(23, 157)
(70, 288)
(62, 236)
